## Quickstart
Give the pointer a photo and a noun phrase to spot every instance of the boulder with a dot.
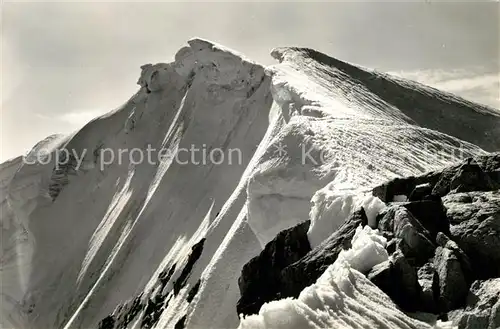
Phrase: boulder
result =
(479, 174)
(452, 283)
(398, 279)
(260, 277)
(428, 216)
(476, 206)
(429, 282)
(414, 236)
(411, 236)
(303, 273)
(445, 242)
(431, 214)
(476, 229)
(483, 306)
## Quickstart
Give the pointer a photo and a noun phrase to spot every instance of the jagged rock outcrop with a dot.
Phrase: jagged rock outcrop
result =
(476, 229)
(452, 283)
(195, 254)
(307, 270)
(260, 279)
(483, 306)
(428, 216)
(107, 323)
(415, 238)
(398, 279)
(463, 224)
(124, 314)
(481, 173)
(404, 186)
(181, 324)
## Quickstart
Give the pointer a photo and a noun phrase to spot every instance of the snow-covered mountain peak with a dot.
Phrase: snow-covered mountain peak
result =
(122, 233)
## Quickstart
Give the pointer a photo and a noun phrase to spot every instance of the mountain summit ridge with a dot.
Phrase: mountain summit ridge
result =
(118, 236)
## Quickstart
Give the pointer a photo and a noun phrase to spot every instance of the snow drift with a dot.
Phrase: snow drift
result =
(162, 243)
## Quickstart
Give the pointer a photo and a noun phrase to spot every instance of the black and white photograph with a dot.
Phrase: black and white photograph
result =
(250, 164)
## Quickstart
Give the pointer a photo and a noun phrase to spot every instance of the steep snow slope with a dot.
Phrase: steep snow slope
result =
(21, 188)
(149, 232)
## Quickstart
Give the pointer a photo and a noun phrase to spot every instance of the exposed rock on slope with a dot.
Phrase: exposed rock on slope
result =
(308, 269)
(309, 128)
(483, 306)
(260, 279)
(476, 229)
(427, 271)
(398, 279)
(342, 297)
(478, 174)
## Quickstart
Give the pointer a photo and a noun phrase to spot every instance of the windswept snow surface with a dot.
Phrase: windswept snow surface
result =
(89, 238)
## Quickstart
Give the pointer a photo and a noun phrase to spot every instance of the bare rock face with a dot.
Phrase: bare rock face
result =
(260, 279)
(107, 323)
(442, 239)
(415, 238)
(452, 283)
(457, 210)
(195, 254)
(307, 270)
(398, 279)
(481, 173)
(476, 216)
(429, 281)
(483, 306)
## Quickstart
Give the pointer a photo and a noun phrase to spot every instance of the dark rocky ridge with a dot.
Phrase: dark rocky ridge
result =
(260, 279)
(158, 301)
(479, 174)
(308, 269)
(195, 254)
(442, 241)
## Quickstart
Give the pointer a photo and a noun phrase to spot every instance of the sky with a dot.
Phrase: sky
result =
(64, 63)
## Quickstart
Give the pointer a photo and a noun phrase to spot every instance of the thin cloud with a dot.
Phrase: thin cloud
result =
(474, 83)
